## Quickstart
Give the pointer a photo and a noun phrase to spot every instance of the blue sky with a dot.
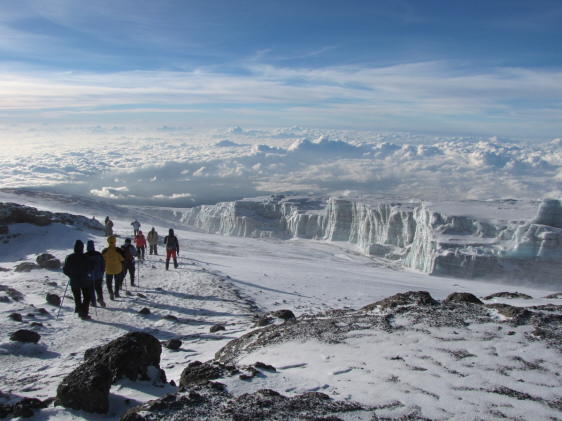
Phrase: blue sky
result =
(444, 67)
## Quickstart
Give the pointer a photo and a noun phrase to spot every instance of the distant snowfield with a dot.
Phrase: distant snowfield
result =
(185, 167)
(226, 280)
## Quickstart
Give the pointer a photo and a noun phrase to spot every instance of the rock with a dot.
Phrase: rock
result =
(43, 312)
(212, 402)
(283, 314)
(141, 295)
(170, 317)
(264, 366)
(4, 299)
(200, 373)
(144, 311)
(26, 267)
(48, 261)
(86, 388)
(517, 314)
(36, 324)
(173, 344)
(462, 297)
(52, 284)
(53, 299)
(216, 328)
(4, 269)
(506, 294)
(12, 293)
(556, 295)
(264, 321)
(116, 355)
(16, 317)
(24, 335)
(417, 298)
(23, 408)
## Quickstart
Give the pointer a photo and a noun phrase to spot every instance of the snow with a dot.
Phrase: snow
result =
(225, 280)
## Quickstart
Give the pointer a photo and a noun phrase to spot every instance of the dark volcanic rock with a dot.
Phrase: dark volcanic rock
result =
(200, 373)
(418, 298)
(506, 294)
(556, 295)
(462, 297)
(264, 321)
(283, 314)
(212, 403)
(24, 335)
(26, 267)
(144, 311)
(23, 408)
(170, 317)
(16, 317)
(48, 261)
(173, 344)
(53, 299)
(118, 354)
(86, 388)
(12, 293)
(517, 314)
(216, 328)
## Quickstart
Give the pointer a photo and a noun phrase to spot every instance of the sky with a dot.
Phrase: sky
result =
(442, 67)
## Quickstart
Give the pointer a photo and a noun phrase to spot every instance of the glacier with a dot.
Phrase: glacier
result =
(507, 239)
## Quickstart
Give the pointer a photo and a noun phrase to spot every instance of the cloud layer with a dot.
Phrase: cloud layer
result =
(185, 168)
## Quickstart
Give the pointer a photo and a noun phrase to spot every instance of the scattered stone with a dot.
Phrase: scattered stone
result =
(36, 324)
(170, 317)
(556, 295)
(52, 284)
(23, 408)
(116, 355)
(24, 335)
(264, 366)
(159, 289)
(506, 294)
(26, 267)
(141, 295)
(462, 297)
(86, 388)
(264, 321)
(5, 299)
(144, 311)
(173, 344)
(16, 317)
(283, 314)
(216, 328)
(53, 299)
(48, 261)
(12, 293)
(410, 298)
(128, 293)
(199, 373)
(43, 311)
(517, 314)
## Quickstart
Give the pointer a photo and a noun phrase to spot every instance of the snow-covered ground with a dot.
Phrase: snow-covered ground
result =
(442, 373)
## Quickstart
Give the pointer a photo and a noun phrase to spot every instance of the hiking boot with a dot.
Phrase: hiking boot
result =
(111, 296)
(117, 294)
(102, 303)
(85, 317)
(132, 284)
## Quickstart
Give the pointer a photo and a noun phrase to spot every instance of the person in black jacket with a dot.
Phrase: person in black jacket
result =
(172, 248)
(77, 267)
(98, 269)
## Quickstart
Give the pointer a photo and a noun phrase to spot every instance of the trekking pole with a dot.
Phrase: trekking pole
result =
(62, 301)
(138, 272)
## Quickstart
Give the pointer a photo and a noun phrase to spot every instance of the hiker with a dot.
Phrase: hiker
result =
(108, 227)
(98, 269)
(113, 258)
(136, 227)
(140, 242)
(77, 267)
(152, 238)
(172, 248)
(129, 253)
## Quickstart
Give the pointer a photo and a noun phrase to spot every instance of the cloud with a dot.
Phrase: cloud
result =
(110, 192)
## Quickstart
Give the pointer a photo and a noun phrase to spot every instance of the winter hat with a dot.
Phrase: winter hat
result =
(171, 232)
(128, 241)
(90, 245)
(78, 247)
(111, 240)
(140, 232)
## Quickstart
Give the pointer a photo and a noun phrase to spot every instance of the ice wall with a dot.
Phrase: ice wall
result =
(420, 236)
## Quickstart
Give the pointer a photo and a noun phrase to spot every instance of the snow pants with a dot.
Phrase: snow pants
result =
(154, 249)
(118, 282)
(129, 267)
(171, 253)
(81, 300)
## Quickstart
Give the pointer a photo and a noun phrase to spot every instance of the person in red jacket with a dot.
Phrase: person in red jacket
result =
(140, 242)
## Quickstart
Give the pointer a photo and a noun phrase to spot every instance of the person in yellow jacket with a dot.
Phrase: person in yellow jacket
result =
(113, 258)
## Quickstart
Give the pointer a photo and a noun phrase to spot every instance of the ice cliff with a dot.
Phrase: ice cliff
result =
(469, 239)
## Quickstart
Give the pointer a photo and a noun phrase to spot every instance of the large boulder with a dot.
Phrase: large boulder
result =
(24, 335)
(48, 261)
(118, 354)
(410, 298)
(86, 388)
(200, 373)
(462, 297)
(26, 267)
(53, 299)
